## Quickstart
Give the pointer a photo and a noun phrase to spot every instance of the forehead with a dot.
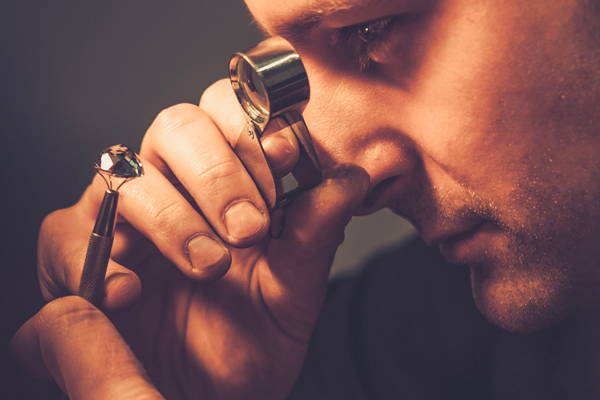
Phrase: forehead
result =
(269, 10)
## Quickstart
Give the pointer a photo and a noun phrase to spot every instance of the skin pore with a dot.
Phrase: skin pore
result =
(471, 116)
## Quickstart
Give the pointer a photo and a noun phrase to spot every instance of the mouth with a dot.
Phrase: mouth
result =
(464, 247)
(463, 243)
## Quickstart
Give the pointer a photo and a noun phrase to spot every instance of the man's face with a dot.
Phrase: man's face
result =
(477, 121)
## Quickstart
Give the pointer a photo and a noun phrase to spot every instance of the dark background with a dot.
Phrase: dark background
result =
(78, 76)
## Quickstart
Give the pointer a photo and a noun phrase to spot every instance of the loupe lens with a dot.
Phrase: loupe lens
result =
(253, 89)
(269, 80)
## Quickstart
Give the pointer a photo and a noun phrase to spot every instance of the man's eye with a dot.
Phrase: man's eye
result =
(362, 39)
(372, 31)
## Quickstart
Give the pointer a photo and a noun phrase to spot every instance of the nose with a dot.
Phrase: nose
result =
(384, 152)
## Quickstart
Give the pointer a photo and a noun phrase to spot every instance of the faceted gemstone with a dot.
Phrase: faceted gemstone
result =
(120, 162)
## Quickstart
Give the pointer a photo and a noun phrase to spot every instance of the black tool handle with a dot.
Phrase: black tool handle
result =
(91, 286)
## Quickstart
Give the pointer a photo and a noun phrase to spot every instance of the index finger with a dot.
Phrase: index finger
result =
(280, 145)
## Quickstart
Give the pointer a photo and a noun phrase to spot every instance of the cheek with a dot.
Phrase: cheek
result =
(351, 120)
(331, 121)
(494, 105)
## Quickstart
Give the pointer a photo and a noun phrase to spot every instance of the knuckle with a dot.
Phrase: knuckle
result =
(50, 221)
(66, 312)
(215, 92)
(176, 116)
(165, 213)
(220, 102)
(213, 175)
(167, 122)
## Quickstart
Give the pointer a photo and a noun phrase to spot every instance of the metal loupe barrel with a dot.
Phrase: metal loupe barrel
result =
(269, 80)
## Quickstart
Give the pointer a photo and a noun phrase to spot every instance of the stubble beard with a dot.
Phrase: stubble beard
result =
(542, 270)
(541, 263)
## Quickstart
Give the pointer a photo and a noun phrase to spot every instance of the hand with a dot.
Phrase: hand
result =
(196, 216)
(72, 342)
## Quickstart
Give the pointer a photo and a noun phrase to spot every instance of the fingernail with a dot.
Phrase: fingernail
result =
(243, 220)
(203, 252)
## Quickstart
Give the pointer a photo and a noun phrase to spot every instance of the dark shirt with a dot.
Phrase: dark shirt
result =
(407, 328)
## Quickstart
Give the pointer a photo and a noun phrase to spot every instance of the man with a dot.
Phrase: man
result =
(475, 120)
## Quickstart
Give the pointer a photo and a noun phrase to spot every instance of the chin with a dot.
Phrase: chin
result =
(524, 302)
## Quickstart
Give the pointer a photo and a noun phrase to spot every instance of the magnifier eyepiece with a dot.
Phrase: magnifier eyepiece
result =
(269, 80)
(252, 92)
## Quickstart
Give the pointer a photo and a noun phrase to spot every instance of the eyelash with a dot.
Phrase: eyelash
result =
(356, 38)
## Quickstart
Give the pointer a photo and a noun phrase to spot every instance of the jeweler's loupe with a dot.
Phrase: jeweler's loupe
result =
(272, 87)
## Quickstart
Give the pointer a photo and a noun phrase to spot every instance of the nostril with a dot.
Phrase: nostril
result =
(382, 185)
(377, 190)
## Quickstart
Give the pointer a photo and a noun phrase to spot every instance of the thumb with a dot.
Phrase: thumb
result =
(299, 261)
(74, 343)
(315, 221)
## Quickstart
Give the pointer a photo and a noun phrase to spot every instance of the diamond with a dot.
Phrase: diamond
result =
(120, 162)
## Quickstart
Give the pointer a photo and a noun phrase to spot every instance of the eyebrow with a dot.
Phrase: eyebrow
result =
(300, 24)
